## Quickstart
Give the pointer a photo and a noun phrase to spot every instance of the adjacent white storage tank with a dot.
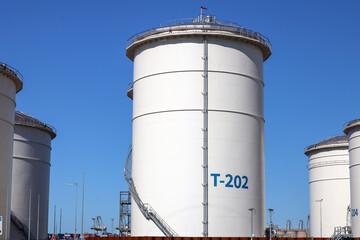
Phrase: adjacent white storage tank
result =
(10, 84)
(198, 127)
(352, 130)
(329, 185)
(31, 172)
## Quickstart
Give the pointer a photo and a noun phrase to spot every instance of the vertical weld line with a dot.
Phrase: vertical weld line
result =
(205, 138)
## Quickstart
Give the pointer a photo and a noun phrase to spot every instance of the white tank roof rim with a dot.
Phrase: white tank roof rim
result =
(196, 26)
(24, 119)
(13, 74)
(351, 124)
(333, 142)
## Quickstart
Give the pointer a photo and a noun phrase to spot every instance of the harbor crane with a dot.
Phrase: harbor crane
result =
(98, 225)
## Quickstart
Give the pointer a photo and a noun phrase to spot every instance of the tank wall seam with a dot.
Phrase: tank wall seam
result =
(328, 179)
(333, 155)
(353, 148)
(10, 123)
(200, 71)
(31, 159)
(27, 141)
(327, 165)
(6, 96)
(200, 110)
(352, 137)
(354, 165)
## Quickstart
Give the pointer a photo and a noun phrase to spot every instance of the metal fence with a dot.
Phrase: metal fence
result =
(347, 124)
(37, 125)
(10, 70)
(205, 22)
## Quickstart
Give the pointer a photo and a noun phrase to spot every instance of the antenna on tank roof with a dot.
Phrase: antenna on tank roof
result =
(201, 12)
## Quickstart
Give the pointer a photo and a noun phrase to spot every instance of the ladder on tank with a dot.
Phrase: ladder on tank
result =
(145, 208)
(21, 226)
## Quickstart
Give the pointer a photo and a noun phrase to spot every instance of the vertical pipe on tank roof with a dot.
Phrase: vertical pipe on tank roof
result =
(205, 139)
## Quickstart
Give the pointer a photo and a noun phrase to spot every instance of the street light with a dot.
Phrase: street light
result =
(252, 212)
(75, 184)
(271, 213)
(320, 201)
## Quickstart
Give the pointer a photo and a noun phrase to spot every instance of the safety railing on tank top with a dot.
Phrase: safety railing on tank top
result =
(326, 145)
(10, 70)
(36, 124)
(21, 226)
(204, 22)
(347, 124)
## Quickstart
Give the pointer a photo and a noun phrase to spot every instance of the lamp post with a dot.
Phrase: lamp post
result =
(112, 225)
(82, 208)
(320, 201)
(271, 213)
(75, 184)
(252, 212)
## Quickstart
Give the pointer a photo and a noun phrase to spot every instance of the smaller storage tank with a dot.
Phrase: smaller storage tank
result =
(291, 234)
(10, 84)
(31, 172)
(301, 234)
(352, 130)
(280, 233)
(329, 185)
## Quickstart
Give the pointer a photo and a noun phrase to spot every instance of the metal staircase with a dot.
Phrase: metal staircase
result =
(342, 233)
(145, 208)
(21, 226)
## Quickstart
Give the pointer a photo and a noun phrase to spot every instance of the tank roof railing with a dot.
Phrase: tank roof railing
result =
(208, 22)
(10, 70)
(347, 124)
(327, 143)
(38, 125)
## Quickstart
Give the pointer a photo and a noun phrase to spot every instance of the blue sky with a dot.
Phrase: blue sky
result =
(72, 56)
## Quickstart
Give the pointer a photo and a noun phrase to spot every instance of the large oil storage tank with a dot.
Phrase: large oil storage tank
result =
(31, 176)
(10, 84)
(329, 185)
(198, 127)
(352, 130)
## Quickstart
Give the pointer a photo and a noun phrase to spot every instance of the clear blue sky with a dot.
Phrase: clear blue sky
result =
(72, 56)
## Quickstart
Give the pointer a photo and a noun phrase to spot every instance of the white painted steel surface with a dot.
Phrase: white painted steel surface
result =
(167, 135)
(9, 85)
(353, 132)
(328, 180)
(31, 170)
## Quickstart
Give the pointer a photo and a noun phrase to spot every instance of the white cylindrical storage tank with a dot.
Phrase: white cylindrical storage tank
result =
(352, 130)
(10, 84)
(198, 127)
(329, 185)
(31, 172)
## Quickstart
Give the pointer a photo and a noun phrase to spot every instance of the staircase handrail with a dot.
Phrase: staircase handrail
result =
(21, 226)
(145, 208)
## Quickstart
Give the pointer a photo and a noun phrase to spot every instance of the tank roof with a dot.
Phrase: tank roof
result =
(197, 26)
(27, 120)
(349, 125)
(13, 74)
(333, 142)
